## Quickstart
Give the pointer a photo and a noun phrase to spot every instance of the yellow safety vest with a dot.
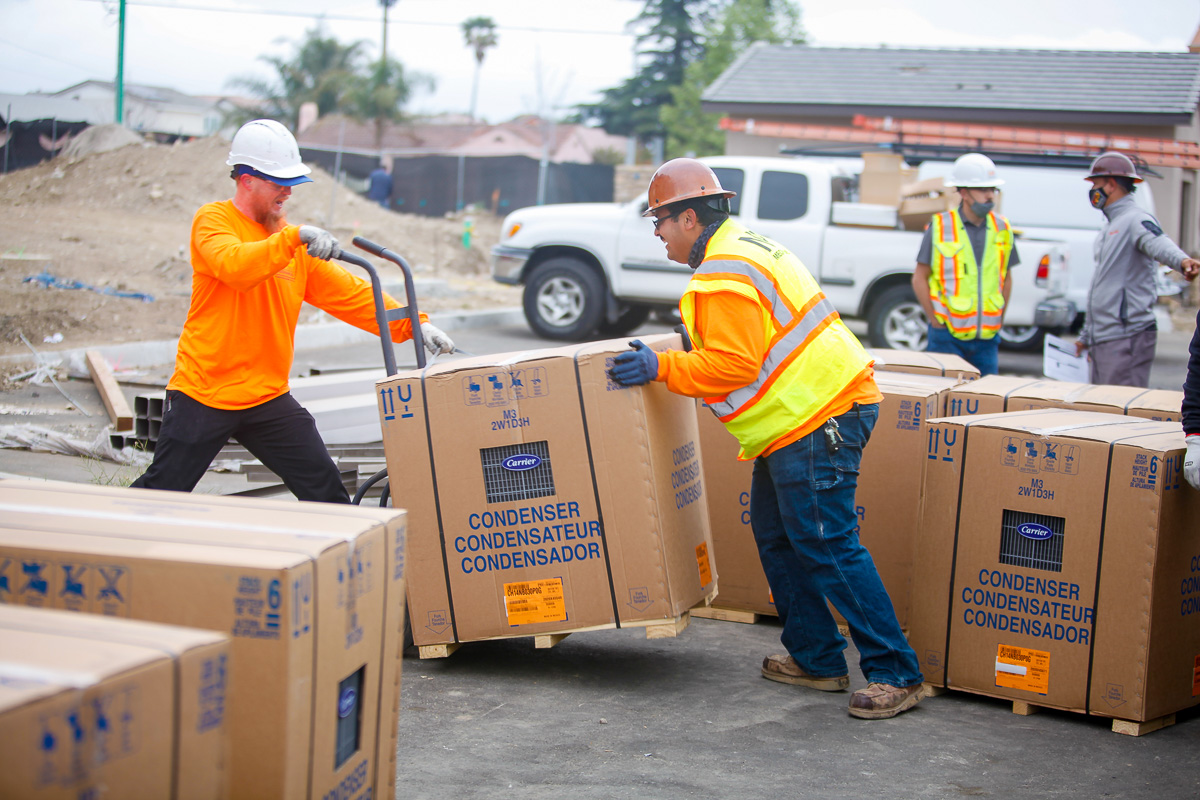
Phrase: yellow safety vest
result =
(956, 283)
(811, 357)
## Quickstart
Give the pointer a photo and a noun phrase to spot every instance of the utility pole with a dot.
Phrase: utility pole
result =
(119, 113)
(383, 48)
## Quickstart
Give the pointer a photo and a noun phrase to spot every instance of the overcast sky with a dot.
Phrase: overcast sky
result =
(551, 54)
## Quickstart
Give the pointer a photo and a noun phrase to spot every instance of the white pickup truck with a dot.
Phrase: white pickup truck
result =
(597, 268)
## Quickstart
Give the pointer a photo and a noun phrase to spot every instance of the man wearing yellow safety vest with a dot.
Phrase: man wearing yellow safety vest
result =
(774, 361)
(963, 278)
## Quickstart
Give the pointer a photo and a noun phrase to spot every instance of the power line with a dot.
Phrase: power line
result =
(350, 18)
(43, 55)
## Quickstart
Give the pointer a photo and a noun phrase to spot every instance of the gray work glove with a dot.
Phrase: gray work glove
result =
(321, 243)
(436, 342)
(1191, 461)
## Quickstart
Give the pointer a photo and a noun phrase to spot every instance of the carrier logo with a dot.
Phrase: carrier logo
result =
(520, 462)
(1032, 530)
(346, 703)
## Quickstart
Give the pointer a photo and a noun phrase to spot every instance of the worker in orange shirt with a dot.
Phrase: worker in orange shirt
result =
(251, 271)
(776, 364)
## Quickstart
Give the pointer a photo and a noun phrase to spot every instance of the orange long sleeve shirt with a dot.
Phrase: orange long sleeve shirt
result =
(238, 341)
(732, 355)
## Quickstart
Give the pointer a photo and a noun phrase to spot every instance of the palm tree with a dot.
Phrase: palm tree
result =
(381, 95)
(479, 33)
(321, 70)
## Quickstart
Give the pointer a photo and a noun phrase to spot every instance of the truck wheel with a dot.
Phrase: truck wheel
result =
(897, 321)
(564, 299)
(630, 320)
(1025, 338)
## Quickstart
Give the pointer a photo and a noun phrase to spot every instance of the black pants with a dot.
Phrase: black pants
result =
(280, 433)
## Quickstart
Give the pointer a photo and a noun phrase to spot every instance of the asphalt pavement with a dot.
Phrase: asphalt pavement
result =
(612, 714)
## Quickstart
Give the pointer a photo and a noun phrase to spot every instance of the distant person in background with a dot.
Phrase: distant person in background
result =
(380, 189)
(1191, 410)
(1120, 331)
(963, 277)
(251, 272)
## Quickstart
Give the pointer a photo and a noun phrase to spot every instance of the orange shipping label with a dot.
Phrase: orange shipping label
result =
(1020, 668)
(702, 561)
(535, 601)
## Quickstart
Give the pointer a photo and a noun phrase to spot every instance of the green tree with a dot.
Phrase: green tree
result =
(479, 33)
(691, 131)
(667, 40)
(381, 94)
(320, 70)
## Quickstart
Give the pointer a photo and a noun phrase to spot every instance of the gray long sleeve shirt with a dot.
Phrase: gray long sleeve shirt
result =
(1121, 300)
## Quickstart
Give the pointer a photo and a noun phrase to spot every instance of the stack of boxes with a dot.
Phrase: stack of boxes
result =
(915, 387)
(1057, 563)
(308, 598)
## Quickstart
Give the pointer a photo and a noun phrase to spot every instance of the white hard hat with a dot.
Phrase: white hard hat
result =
(973, 171)
(268, 148)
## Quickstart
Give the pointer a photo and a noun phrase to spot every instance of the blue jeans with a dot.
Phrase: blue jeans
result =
(803, 515)
(983, 354)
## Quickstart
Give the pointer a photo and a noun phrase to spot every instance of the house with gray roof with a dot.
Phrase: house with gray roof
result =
(1130, 94)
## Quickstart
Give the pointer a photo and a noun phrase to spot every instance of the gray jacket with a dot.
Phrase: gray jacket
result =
(1121, 300)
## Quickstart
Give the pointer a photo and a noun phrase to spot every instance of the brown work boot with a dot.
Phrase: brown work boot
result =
(881, 700)
(785, 670)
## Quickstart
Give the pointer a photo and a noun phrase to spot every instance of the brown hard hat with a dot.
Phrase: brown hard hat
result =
(683, 179)
(1114, 165)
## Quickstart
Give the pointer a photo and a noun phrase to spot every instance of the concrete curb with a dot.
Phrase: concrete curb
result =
(138, 355)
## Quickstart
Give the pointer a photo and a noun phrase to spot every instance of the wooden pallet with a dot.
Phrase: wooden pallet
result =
(726, 614)
(1126, 727)
(655, 629)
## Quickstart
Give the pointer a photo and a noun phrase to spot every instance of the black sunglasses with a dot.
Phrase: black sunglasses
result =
(660, 220)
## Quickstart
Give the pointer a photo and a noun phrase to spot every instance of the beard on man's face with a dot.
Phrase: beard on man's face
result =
(274, 220)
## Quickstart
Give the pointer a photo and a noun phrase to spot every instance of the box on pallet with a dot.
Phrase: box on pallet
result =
(92, 706)
(923, 363)
(1056, 562)
(995, 393)
(311, 593)
(888, 496)
(544, 497)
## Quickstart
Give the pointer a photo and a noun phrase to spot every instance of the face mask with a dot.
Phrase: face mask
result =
(981, 210)
(1097, 197)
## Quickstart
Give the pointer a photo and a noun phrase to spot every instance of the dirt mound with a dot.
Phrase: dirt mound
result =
(119, 221)
(99, 139)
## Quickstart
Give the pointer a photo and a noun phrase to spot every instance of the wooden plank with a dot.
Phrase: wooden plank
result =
(726, 614)
(668, 629)
(438, 650)
(1131, 728)
(544, 641)
(933, 691)
(1025, 709)
(110, 392)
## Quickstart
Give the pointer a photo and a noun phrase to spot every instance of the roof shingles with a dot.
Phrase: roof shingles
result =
(1128, 83)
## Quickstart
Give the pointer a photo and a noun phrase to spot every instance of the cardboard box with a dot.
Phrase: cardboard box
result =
(727, 493)
(311, 594)
(922, 362)
(987, 395)
(1057, 562)
(996, 393)
(545, 498)
(889, 482)
(920, 200)
(93, 707)
(887, 499)
(882, 176)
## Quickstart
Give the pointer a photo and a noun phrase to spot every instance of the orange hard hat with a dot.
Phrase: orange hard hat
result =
(1114, 165)
(683, 179)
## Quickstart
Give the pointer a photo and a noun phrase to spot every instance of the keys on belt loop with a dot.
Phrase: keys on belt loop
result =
(833, 436)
